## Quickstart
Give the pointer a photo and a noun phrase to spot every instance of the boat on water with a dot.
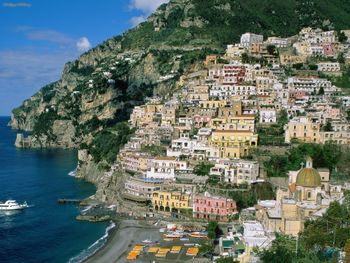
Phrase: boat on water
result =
(12, 205)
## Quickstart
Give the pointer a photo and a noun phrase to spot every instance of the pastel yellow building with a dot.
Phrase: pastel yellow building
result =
(234, 109)
(233, 143)
(197, 93)
(244, 122)
(302, 129)
(169, 115)
(170, 201)
(144, 114)
(212, 104)
(290, 59)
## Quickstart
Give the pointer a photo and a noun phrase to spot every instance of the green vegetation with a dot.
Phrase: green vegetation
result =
(324, 156)
(342, 38)
(344, 80)
(271, 49)
(107, 143)
(285, 249)
(226, 260)
(214, 230)
(43, 124)
(203, 168)
(84, 71)
(331, 230)
(48, 92)
(154, 150)
(274, 134)
(249, 198)
(327, 127)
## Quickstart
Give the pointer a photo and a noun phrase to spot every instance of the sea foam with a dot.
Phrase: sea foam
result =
(91, 250)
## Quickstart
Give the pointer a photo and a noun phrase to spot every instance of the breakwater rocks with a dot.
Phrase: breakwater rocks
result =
(94, 218)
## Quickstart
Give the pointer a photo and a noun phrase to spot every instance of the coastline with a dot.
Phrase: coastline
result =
(125, 234)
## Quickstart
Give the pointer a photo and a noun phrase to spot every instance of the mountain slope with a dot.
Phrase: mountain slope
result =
(100, 88)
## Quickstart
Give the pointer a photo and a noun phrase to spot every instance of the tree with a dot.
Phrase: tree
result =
(321, 91)
(226, 260)
(285, 249)
(331, 230)
(328, 127)
(214, 230)
(281, 250)
(342, 38)
(298, 66)
(313, 67)
(203, 169)
(282, 118)
(271, 49)
(341, 58)
(245, 58)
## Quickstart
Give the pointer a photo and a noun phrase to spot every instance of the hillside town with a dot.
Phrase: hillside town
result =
(198, 151)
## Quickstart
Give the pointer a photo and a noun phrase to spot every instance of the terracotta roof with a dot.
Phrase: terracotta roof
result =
(292, 188)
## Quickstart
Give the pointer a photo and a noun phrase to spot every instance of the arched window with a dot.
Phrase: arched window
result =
(309, 195)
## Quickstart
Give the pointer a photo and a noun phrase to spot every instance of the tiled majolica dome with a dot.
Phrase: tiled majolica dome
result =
(308, 176)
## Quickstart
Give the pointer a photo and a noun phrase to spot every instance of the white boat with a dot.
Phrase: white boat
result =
(12, 205)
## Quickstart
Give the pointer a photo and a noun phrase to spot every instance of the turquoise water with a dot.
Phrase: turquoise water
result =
(46, 232)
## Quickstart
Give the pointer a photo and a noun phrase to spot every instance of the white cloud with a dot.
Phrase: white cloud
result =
(137, 20)
(83, 44)
(146, 6)
(49, 35)
(16, 5)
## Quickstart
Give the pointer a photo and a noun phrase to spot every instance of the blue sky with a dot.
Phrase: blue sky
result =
(39, 36)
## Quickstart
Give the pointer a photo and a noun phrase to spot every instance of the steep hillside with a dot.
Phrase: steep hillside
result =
(98, 90)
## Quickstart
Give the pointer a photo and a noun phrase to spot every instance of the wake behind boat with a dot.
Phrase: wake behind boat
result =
(12, 205)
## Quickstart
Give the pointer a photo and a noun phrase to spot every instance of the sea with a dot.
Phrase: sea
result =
(47, 231)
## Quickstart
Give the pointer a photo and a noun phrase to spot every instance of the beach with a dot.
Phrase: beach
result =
(126, 234)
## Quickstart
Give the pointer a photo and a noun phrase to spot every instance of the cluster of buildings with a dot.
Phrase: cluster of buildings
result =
(212, 120)
(307, 195)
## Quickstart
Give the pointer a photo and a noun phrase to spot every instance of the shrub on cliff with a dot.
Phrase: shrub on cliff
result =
(107, 143)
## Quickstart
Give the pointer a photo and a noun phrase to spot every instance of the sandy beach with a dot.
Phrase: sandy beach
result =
(126, 234)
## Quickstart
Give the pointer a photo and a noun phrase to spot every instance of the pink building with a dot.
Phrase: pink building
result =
(298, 94)
(213, 207)
(329, 50)
(200, 121)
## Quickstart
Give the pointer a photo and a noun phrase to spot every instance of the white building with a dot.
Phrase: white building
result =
(248, 39)
(236, 171)
(254, 235)
(163, 168)
(224, 92)
(309, 85)
(329, 66)
(278, 42)
(267, 115)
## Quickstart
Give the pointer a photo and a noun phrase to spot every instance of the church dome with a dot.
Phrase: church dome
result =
(308, 176)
